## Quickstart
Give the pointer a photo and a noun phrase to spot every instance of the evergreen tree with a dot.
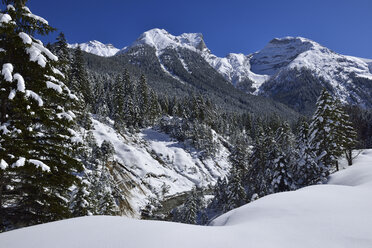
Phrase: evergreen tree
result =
(307, 170)
(282, 177)
(236, 195)
(323, 132)
(61, 50)
(346, 136)
(118, 100)
(190, 209)
(144, 101)
(35, 118)
(79, 79)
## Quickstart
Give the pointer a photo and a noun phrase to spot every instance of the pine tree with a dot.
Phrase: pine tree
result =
(346, 136)
(236, 195)
(79, 79)
(144, 101)
(323, 132)
(35, 120)
(61, 50)
(118, 104)
(190, 208)
(282, 172)
(307, 170)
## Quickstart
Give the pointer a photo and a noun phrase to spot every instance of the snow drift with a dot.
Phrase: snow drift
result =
(334, 215)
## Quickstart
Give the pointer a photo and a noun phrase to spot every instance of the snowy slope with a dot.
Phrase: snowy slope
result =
(153, 160)
(346, 77)
(236, 68)
(97, 48)
(336, 215)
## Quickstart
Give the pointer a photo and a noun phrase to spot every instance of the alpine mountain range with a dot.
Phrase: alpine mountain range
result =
(290, 70)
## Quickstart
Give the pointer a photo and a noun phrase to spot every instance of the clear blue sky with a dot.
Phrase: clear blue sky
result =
(344, 26)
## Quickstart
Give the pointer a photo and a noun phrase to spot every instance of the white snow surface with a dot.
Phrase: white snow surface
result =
(335, 215)
(236, 68)
(97, 48)
(288, 53)
(161, 39)
(25, 37)
(154, 159)
(39, 164)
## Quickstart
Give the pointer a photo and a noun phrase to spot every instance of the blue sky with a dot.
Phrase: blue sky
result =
(344, 26)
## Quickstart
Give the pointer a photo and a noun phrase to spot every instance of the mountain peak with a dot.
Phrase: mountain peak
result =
(96, 47)
(279, 52)
(161, 39)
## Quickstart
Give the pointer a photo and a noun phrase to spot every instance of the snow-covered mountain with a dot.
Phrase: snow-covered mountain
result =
(336, 214)
(97, 48)
(160, 39)
(292, 70)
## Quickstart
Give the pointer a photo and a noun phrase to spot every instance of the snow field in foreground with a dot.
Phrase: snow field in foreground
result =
(334, 215)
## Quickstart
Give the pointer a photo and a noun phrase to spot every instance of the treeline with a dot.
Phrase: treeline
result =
(277, 161)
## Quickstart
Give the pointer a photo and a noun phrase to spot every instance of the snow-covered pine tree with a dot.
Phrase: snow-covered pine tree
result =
(307, 171)
(61, 51)
(143, 101)
(346, 137)
(36, 139)
(118, 104)
(256, 176)
(236, 195)
(323, 131)
(79, 82)
(155, 109)
(220, 196)
(283, 151)
(190, 208)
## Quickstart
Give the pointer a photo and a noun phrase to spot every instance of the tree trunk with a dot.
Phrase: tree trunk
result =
(349, 156)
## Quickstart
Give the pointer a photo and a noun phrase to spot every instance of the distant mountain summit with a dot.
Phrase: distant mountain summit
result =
(97, 48)
(160, 39)
(292, 70)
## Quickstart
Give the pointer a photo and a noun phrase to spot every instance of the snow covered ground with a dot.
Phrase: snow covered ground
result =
(154, 161)
(334, 215)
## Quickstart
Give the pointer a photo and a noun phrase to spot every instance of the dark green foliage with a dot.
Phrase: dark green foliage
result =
(36, 135)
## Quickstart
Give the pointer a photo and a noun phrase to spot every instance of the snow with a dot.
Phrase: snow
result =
(35, 96)
(35, 52)
(39, 164)
(26, 39)
(161, 39)
(3, 164)
(56, 71)
(35, 17)
(54, 86)
(97, 48)
(7, 72)
(20, 82)
(154, 159)
(5, 18)
(12, 94)
(65, 115)
(20, 162)
(335, 215)
(236, 68)
(285, 54)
